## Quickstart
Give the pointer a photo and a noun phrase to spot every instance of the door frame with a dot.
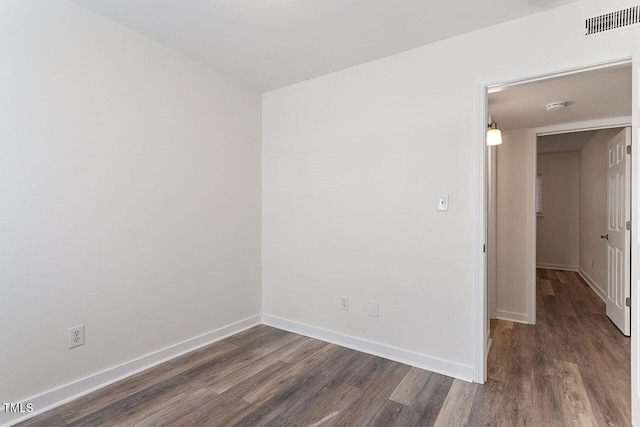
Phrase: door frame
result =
(481, 341)
(597, 124)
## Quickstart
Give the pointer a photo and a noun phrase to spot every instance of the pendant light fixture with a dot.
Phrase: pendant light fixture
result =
(494, 136)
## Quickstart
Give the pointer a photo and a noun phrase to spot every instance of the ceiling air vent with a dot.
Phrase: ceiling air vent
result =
(613, 20)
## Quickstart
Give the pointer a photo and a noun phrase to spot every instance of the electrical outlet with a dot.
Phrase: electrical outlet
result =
(344, 303)
(76, 336)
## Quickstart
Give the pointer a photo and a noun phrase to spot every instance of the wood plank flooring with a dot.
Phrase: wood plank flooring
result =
(571, 369)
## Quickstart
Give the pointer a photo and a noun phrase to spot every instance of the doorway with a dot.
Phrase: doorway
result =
(483, 293)
(522, 307)
(582, 209)
(520, 111)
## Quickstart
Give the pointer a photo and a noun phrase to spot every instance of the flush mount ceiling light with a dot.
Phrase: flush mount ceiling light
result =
(556, 106)
(494, 136)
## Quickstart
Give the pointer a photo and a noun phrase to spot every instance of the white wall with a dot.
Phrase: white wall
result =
(492, 236)
(593, 209)
(514, 207)
(130, 194)
(353, 163)
(557, 230)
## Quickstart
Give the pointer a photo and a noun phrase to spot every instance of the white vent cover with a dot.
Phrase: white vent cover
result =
(613, 20)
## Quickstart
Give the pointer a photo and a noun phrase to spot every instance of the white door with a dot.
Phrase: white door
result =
(618, 237)
(635, 245)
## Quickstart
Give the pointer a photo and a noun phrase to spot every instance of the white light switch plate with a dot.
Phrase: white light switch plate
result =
(443, 202)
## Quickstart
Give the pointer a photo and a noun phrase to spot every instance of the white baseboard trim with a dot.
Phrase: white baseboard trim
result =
(593, 285)
(558, 267)
(433, 364)
(512, 317)
(56, 397)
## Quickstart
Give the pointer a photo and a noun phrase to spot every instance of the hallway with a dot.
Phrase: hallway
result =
(571, 368)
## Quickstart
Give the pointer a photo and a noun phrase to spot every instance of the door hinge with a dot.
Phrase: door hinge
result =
(628, 225)
(484, 248)
(628, 149)
(628, 302)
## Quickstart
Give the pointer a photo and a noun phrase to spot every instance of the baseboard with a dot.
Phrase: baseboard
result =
(512, 317)
(558, 267)
(593, 285)
(433, 364)
(56, 397)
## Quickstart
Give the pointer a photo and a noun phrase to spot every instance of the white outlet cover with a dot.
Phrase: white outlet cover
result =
(76, 336)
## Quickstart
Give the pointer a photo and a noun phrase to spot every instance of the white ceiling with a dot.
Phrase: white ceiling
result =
(268, 44)
(591, 95)
(596, 94)
(564, 142)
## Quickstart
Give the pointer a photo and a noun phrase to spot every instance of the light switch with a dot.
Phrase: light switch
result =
(443, 202)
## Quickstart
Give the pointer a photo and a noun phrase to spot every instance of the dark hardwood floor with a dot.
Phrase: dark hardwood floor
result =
(571, 369)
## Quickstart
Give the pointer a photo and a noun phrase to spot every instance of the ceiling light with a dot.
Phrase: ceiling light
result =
(494, 136)
(556, 106)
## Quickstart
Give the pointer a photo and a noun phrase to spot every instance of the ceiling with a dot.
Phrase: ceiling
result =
(269, 44)
(564, 142)
(590, 95)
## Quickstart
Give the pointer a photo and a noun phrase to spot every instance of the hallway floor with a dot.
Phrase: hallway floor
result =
(571, 368)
